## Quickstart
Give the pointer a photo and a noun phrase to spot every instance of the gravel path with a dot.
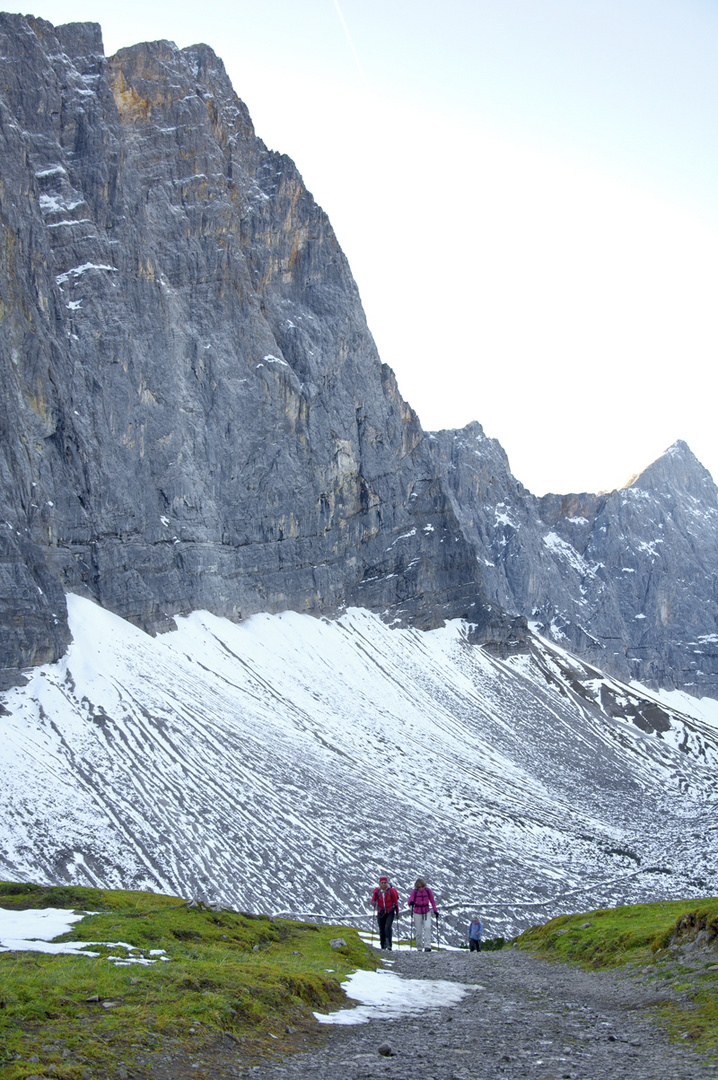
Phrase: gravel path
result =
(525, 1018)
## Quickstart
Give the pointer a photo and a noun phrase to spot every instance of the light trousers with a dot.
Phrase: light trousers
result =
(422, 930)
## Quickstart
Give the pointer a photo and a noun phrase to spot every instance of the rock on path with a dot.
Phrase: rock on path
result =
(527, 1018)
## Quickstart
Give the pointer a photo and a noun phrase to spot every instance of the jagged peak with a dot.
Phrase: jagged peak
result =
(472, 430)
(84, 33)
(677, 469)
(472, 435)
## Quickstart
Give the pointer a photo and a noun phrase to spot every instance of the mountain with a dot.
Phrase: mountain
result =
(194, 414)
(281, 763)
(262, 636)
(627, 579)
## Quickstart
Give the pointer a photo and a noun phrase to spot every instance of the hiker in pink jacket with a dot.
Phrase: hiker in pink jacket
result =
(421, 902)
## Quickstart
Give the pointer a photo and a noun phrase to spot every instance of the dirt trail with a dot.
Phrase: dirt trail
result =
(526, 1018)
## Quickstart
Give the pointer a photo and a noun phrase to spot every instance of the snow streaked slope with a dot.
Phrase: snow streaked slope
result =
(279, 764)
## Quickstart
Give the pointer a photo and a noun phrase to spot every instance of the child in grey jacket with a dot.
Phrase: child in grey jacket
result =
(474, 934)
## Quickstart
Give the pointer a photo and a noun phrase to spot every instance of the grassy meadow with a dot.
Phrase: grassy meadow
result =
(231, 983)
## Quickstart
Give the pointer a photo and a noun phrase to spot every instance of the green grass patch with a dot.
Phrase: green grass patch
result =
(612, 936)
(230, 981)
(699, 1024)
(648, 936)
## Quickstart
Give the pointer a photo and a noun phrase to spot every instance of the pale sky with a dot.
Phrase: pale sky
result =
(526, 191)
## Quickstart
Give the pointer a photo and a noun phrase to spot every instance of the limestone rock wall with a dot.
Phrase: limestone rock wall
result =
(194, 412)
(627, 579)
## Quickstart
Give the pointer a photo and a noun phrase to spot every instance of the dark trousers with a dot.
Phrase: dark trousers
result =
(474, 945)
(385, 919)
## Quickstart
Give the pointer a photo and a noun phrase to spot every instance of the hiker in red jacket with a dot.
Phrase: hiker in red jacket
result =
(421, 902)
(385, 901)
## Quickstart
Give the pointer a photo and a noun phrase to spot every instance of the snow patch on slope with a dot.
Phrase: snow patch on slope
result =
(279, 764)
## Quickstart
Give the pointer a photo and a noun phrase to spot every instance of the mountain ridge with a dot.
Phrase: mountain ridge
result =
(627, 579)
(196, 417)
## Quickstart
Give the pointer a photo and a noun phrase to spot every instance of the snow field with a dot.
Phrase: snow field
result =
(279, 764)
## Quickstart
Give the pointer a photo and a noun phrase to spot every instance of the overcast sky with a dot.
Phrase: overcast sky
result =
(526, 190)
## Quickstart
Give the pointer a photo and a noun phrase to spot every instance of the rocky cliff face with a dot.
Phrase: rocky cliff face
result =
(194, 413)
(627, 579)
